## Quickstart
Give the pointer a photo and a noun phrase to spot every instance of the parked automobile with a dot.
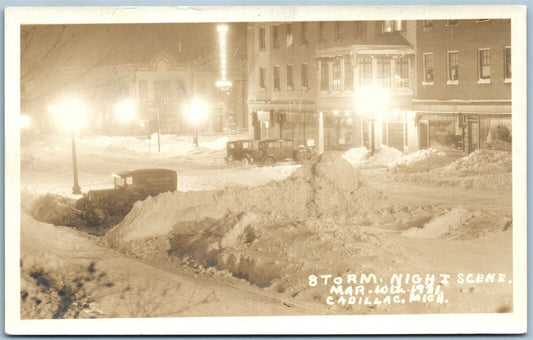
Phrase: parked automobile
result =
(244, 151)
(130, 186)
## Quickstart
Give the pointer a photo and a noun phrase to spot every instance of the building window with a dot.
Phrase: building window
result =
(428, 24)
(305, 77)
(428, 68)
(321, 31)
(453, 67)
(483, 57)
(143, 89)
(262, 77)
(507, 64)
(289, 35)
(348, 74)
(262, 40)
(338, 30)
(276, 78)
(365, 70)
(393, 26)
(383, 65)
(275, 36)
(290, 81)
(402, 72)
(336, 73)
(303, 33)
(324, 76)
(451, 22)
(357, 29)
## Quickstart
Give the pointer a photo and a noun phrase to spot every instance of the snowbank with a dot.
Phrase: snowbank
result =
(480, 162)
(420, 161)
(382, 157)
(461, 223)
(327, 187)
(481, 170)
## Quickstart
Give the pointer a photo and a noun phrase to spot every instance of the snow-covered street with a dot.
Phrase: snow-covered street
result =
(239, 240)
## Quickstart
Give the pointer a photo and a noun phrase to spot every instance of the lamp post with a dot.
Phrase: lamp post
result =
(71, 115)
(76, 189)
(196, 114)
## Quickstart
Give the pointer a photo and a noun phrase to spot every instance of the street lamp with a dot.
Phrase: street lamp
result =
(371, 100)
(125, 111)
(25, 121)
(71, 115)
(196, 113)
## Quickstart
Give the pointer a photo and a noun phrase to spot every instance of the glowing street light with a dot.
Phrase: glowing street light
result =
(125, 111)
(372, 100)
(196, 113)
(71, 115)
(25, 121)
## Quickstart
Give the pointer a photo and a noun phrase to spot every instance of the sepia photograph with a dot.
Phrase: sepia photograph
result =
(339, 165)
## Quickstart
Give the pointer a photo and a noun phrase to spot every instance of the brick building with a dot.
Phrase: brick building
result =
(306, 75)
(463, 97)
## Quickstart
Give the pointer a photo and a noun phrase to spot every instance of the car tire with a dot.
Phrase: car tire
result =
(269, 161)
(246, 162)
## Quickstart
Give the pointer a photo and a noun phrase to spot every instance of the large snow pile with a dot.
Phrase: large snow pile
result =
(420, 161)
(327, 187)
(481, 170)
(460, 223)
(480, 162)
(382, 157)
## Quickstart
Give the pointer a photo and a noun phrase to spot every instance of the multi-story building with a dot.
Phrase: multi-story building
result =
(312, 81)
(463, 95)
(281, 74)
(157, 68)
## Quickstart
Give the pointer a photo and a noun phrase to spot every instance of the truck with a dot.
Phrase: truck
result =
(110, 206)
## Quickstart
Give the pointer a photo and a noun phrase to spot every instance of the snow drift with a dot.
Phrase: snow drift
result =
(327, 187)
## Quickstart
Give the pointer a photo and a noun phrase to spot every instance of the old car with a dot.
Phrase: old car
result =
(111, 205)
(273, 151)
(244, 151)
